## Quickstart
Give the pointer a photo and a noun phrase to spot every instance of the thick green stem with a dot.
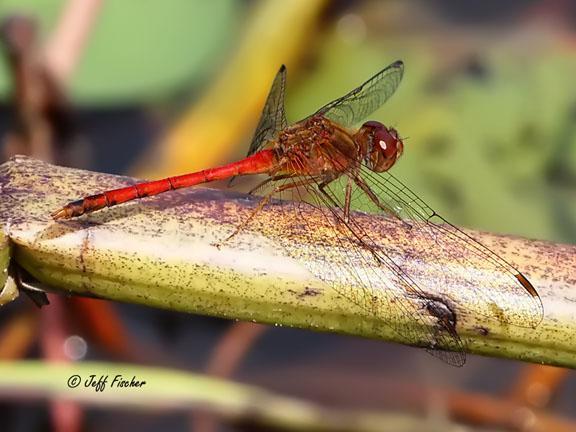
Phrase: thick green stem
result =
(160, 252)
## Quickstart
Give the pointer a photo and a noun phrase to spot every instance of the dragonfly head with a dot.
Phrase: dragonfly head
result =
(383, 145)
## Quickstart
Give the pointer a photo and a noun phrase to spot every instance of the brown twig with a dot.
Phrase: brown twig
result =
(232, 348)
(537, 385)
(31, 97)
(67, 42)
(43, 120)
(17, 335)
(44, 127)
(363, 389)
(66, 415)
(225, 359)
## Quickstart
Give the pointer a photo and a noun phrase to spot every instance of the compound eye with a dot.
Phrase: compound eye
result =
(386, 142)
(373, 124)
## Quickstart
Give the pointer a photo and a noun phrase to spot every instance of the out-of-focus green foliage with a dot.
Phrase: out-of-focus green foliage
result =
(153, 389)
(141, 49)
(482, 149)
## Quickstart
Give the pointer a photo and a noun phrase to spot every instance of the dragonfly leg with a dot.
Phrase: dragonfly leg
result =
(265, 200)
(246, 221)
(346, 210)
(344, 222)
(347, 200)
(347, 197)
(268, 180)
(366, 189)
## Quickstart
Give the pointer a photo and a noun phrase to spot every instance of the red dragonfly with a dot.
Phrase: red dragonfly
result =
(337, 170)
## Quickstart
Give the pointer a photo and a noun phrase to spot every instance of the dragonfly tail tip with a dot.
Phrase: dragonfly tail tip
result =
(60, 214)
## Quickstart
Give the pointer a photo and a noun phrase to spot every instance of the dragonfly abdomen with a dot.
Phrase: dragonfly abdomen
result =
(261, 162)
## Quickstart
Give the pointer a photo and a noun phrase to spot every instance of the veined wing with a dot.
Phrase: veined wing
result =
(355, 266)
(483, 277)
(273, 117)
(358, 104)
(384, 285)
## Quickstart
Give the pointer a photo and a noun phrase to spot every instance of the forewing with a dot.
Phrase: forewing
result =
(273, 117)
(483, 277)
(377, 273)
(365, 99)
(343, 255)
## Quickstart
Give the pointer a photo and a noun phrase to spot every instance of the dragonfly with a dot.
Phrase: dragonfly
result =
(328, 166)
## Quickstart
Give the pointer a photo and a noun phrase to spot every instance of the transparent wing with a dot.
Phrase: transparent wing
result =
(365, 99)
(384, 284)
(355, 266)
(484, 278)
(273, 117)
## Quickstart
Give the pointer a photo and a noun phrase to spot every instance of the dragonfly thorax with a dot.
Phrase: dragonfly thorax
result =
(382, 145)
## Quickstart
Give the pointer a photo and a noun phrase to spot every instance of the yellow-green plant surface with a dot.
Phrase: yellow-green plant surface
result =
(161, 252)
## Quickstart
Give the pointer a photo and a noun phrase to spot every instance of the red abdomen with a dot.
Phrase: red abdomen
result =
(264, 161)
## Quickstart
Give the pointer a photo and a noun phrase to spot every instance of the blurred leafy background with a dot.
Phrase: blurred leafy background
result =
(487, 106)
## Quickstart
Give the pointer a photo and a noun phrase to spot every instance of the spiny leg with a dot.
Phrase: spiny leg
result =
(366, 189)
(268, 180)
(263, 202)
(329, 178)
(246, 221)
(346, 220)
(336, 206)
(347, 200)
(341, 222)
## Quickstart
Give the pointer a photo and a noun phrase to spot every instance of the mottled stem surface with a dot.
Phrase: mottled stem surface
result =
(160, 252)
